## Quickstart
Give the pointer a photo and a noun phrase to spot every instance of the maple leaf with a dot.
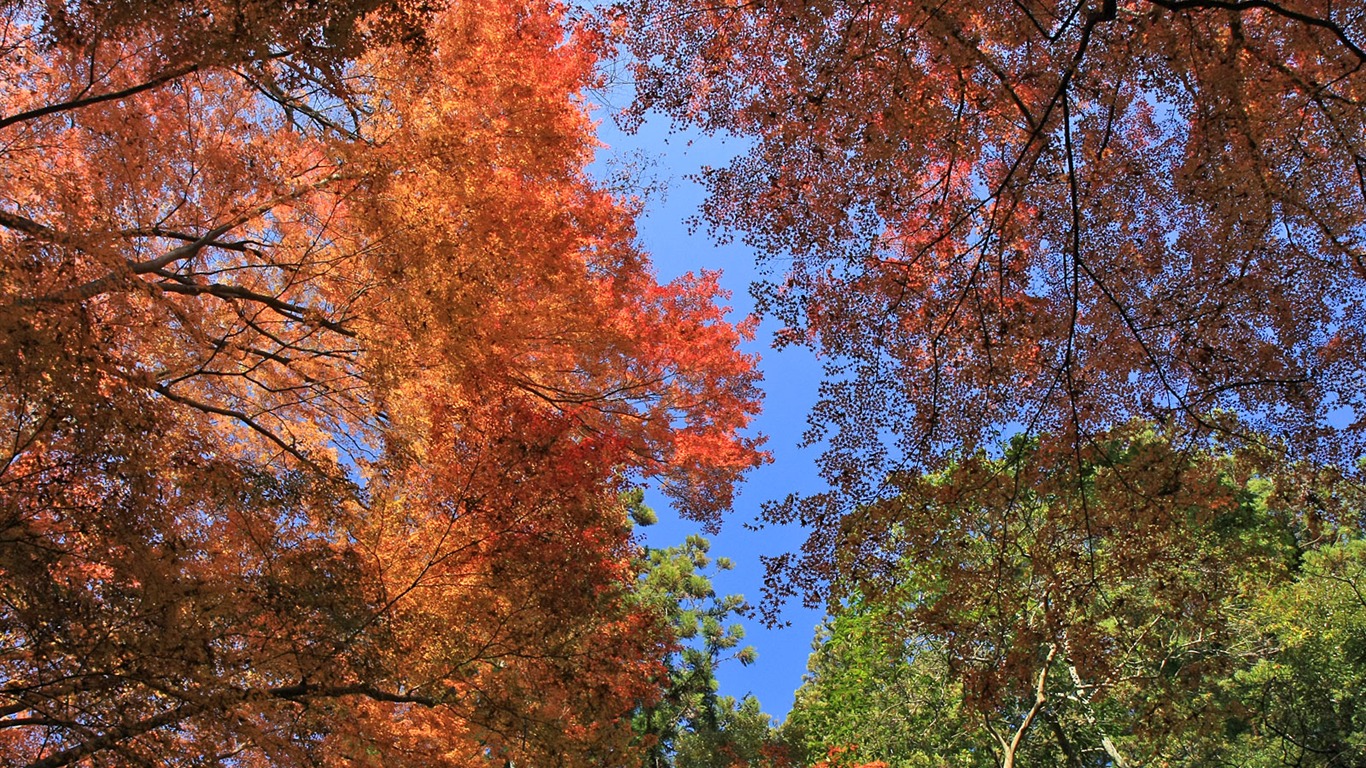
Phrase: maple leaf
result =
(323, 364)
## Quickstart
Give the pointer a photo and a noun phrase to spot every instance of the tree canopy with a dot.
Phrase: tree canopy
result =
(1204, 619)
(329, 376)
(323, 366)
(1008, 215)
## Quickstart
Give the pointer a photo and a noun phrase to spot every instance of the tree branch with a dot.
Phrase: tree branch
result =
(1040, 698)
(115, 735)
(86, 101)
(1276, 8)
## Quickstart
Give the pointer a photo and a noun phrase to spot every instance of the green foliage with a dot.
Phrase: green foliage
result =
(738, 734)
(693, 726)
(1146, 602)
(879, 699)
(1306, 696)
(636, 508)
(1153, 604)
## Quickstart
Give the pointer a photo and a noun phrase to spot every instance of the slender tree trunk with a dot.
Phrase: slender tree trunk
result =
(1040, 698)
(1105, 742)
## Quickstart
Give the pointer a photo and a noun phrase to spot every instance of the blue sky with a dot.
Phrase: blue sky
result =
(790, 381)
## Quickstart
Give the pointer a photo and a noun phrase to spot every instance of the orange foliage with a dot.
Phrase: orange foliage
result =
(322, 367)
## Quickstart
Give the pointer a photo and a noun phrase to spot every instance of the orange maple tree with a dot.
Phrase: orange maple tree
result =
(322, 367)
(1037, 215)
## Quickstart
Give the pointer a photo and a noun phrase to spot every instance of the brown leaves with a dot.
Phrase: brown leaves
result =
(1037, 217)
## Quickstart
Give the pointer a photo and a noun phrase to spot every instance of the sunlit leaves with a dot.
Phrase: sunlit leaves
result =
(324, 364)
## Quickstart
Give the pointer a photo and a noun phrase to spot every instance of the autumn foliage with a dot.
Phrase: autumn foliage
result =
(1049, 217)
(1087, 280)
(325, 369)
(322, 367)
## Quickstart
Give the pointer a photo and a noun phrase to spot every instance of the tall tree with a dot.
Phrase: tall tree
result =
(1052, 215)
(322, 367)
(675, 585)
(691, 725)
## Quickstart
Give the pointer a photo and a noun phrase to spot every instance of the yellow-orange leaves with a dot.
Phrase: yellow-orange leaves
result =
(322, 366)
